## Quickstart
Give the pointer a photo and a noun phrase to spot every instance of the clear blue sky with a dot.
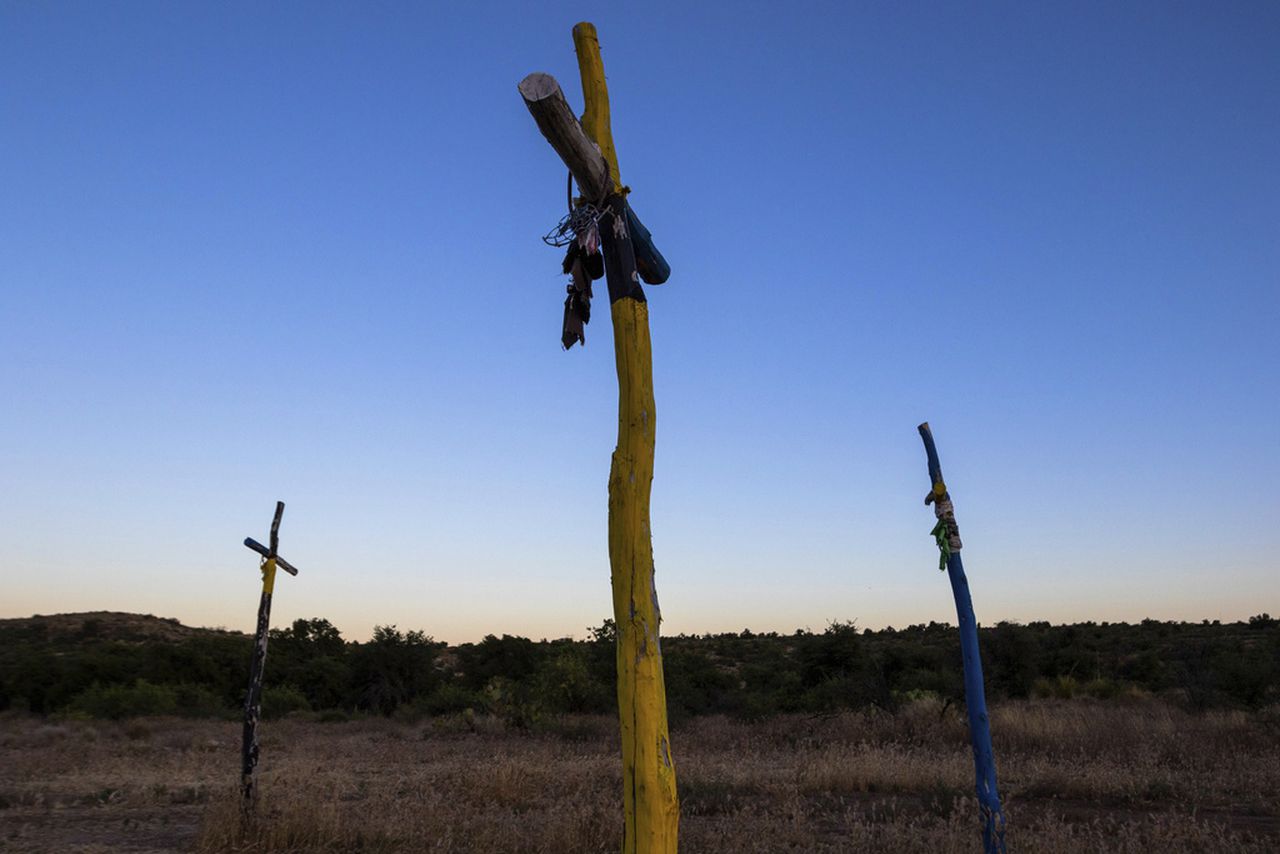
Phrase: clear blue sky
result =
(251, 252)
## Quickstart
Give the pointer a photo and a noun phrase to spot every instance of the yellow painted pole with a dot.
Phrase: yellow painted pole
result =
(595, 93)
(268, 576)
(650, 802)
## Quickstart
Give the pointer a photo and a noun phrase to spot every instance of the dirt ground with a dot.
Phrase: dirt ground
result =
(1076, 776)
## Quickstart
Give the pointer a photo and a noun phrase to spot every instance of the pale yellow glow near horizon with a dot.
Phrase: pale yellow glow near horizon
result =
(356, 624)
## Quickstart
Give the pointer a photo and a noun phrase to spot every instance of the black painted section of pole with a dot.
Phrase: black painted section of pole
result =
(253, 703)
(652, 267)
(619, 253)
(975, 697)
(275, 529)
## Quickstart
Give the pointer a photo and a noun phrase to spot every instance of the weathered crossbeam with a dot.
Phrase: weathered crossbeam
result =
(588, 165)
(266, 552)
(562, 129)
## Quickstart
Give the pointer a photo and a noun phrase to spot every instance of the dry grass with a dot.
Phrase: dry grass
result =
(1076, 776)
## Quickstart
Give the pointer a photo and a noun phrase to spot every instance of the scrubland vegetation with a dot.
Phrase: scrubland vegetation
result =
(116, 666)
(121, 735)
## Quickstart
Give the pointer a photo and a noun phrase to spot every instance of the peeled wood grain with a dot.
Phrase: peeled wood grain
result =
(546, 103)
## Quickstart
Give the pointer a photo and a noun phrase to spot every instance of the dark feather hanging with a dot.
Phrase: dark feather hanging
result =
(583, 267)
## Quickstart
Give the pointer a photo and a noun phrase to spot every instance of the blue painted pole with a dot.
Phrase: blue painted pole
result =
(975, 698)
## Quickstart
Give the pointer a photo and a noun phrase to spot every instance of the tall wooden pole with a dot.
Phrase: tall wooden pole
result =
(650, 801)
(651, 805)
(975, 697)
(253, 698)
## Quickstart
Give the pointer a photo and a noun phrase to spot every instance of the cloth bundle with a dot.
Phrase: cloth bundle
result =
(584, 263)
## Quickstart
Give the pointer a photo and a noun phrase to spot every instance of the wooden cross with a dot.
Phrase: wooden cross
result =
(253, 700)
(650, 804)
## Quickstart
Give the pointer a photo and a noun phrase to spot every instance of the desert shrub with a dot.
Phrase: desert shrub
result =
(393, 668)
(1199, 682)
(510, 657)
(696, 685)
(513, 703)
(1249, 677)
(312, 656)
(837, 652)
(448, 698)
(280, 700)
(125, 701)
(199, 701)
(564, 684)
(332, 716)
(1102, 689)
(1060, 687)
(744, 674)
(1010, 653)
(914, 696)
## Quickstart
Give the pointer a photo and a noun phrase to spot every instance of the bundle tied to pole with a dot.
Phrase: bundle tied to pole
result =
(947, 531)
(587, 148)
(583, 263)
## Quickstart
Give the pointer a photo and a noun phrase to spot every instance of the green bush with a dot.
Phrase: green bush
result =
(280, 700)
(512, 702)
(564, 684)
(332, 716)
(392, 669)
(105, 670)
(1061, 687)
(449, 698)
(116, 702)
(198, 701)
(1102, 689)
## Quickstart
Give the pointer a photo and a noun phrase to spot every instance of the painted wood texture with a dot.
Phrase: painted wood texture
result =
(253, 699)
(651, 805)
(560, 127)
(975, 697)
(596, 120)
(249, 753)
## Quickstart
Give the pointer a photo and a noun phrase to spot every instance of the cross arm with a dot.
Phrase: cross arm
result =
(589, 167)
(546, 103)
(266, 552)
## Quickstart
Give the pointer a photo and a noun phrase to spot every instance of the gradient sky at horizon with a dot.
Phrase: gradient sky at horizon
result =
(291, 251)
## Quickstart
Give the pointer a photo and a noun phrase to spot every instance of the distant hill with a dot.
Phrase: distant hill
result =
(104, 626)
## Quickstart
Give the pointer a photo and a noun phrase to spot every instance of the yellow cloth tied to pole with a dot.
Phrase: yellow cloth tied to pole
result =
(268, 575)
